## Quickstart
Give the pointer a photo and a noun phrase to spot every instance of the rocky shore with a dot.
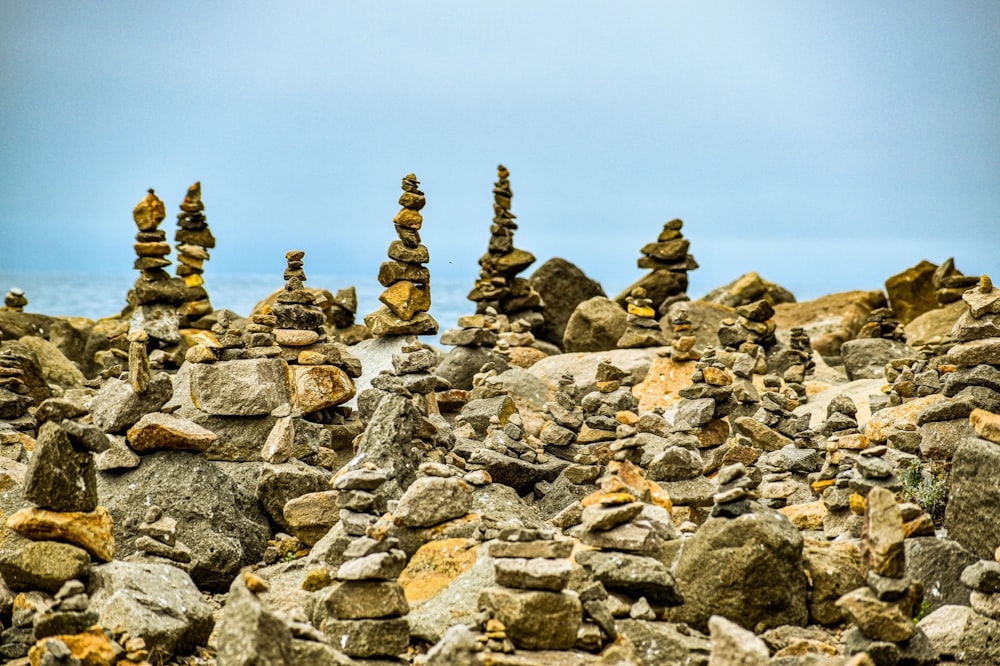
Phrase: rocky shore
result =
(571, 479)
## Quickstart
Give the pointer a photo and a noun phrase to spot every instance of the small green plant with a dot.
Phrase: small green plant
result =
(922, 613)
(926, 485)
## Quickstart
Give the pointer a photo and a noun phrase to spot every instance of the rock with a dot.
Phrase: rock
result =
(980, 643)
(882, 535)
(39, 565)
(158, 431)
(866, 358)
(760, 541)
(431, 500)
(310, 516)
(462, 363)
(92, 531)
(562, 286)
(932, 326)
(986, 425)
(975, 494)
(834, 569)
(533, 574)
(250, 634)
(876, 619)
(368, 638)
(595, 325)
(91, 647)
(583, 366)
(117, 406)
(219, 521)
(316, 387)
(883, 422)
(58, 477)
(912, 292)
(157, 602)
(387, 442)
(536, 619)
(364, 599)
(940, 439)
(278, 484)
(665, 642)
(938, 563)
(748, 288)
(245, 387)
(831, 320)
(56, 368)
(635, 575)
(732, 644)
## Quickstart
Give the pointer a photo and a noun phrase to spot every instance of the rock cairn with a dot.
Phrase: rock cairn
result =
(563, 419)
(982, 578)
(669, 262)
(68, 615)
(603, 408)
(411, 376)
(707, 401)
(682, 344)
(407, 297)
(194, 239)
(472, 342)
(364, 615)
(15, 300)
(641, 328)
(299, 320)
(158, 544)
(15, 399)
(517, 345)
(882, 611)
(950, 283)
(156, 295)
(753, 324)
(734, 491)
(801, 363)
(882, 323)
(498, 285)
(530, 608)
(341, 317)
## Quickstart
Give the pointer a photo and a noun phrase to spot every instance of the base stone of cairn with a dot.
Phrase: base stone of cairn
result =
(407, 297)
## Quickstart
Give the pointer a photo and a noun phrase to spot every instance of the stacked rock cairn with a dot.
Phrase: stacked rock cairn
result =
(669, 262)
(707, 401)
(883, 610)
(407, 297)
(364, 615)
(975, 382)
(641, 328)
(882, 323)
(15, 300)
(563, 419)
(601, 408)
(802, 364)
(516, 346)
(15, 399)
(950, 283)
(682, 344)
(753, 324)
(158, 544)
(194, 239)
(833, 480)
(734, 491)
(473, 342)
(156, 295)
(498, 285)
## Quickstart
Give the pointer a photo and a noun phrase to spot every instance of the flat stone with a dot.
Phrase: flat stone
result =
(405, 299)
(93, 531)
(40, 565)
(882, 534)
(311, 516)
(249, 387)
(165, 432)
(600, 517)
(983, 576)
(533, 574)
(58, 477)
(377, 566)
(634, 575)
(535, 620)
(430, 501)
(368, 638)
(986, 424)
(364, 599)
(975, 352)
(878, 620)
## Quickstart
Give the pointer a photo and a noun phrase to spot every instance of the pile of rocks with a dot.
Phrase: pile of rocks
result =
(158, 542)
(15, 399)
(603, 408)
(156, 296)
(194, 239)
(407, 296)
(734, 492)
(342, 311)
(530, 607)
(517, 345)
(299, 321)
(563, 419)
(669, 262)
(498, 285)
(707, 401)
(641, 328)
(15, 300)
(883, 610)
(950, 283)
(882, 323)
(682, 343)
(975, 382)
(472, 345)
(753, 324)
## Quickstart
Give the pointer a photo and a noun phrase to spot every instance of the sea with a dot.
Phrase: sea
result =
(95, 296)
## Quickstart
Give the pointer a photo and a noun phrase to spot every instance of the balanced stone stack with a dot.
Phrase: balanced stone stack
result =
(407, 296)
(411, 376)
(15, 399)
(519, 345)
(15, 300)
(641, 328)
(194, 240)
(341, 317)
(753, 324)
(801, 365)
(531, 605)
(472, 343)
(682, 344)
(299, 320)
(563, 419)
(982, 578)
(950, 283)
(70, 613)
(498, 285)
(669, 263)
(882, 611)
(157, 295)
(158, 544)
(882, 323)
(601, 408)
(734, 492)
(707, 401)
(66, 528)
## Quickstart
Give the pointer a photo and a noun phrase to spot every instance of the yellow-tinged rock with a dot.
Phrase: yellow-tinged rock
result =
(858, 504)
(294, 337)
(149, 212)
(194, 280)
(853, 442)
(641, 311)
(664, 379)
(717, 376)
(408, 218)
(91, 530)
(317, 579)
(405, 299)
(435, 566)
(922, 525)
(986, 424)
(819, 486)
(659, 496)
(616, 499)
(807, 516)
(92, 647)
(316, 387)
(880, 424)
(255, 583)
(157, 431)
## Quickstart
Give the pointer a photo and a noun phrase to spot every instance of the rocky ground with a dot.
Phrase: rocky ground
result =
(741, 479)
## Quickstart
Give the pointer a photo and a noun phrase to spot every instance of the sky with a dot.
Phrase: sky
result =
(826, 145)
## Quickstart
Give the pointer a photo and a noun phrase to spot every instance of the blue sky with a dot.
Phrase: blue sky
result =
(827, 145)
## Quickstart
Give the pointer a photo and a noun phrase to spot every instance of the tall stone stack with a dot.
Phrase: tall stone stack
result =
(976, 381)
(194, 239)
(707, 401)
(563, 419)
(155, 296)
(601, 408)
(498, 285)
(407, 297)
(882, 611)
(669, 262)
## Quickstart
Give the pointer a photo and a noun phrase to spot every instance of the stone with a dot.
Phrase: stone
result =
(364, 599)
(595, 325)
(368, 638)
(58, 477)
(311, 516)
(533, 574)
(165, 432)
(430, 501)
(911, 293)
(665, 642)
(377, 566)
(92, 531)
(277, 484)
(938, 563)
(562, 286)
(535, 620)
(635, 575)
(39, 565)
(117, 406)
(732, 644)
(317, 387)
(249, 633)
(866, 358)
(982, 576)
(246, 387)
(986, 425)
(91, 647)
(876, 619)
(974, 496)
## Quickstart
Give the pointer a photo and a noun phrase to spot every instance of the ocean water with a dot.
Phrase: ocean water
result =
(96, 296)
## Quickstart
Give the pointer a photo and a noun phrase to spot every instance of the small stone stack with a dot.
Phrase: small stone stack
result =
(669, 263)
(15, 300)
(299, 320)
(682, 344)
(510, 440)
(15, 399)
(498, 285)
(707, 401)
(776, 409)
(734, 492)
(753, 324)
(641, 328)
(909, 378)
(519, 344)
(802, 365)
(68, 615)
(882, 611)
(411, 376)
(882, 323)
(407, 296)
(158, 542)
(66, 527)
(156, 295)
(530, 606)
(563, 419)
(601, 408)
(950, 283)
(341, 318)
(194, 240)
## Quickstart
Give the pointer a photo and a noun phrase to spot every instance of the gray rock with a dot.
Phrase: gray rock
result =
(117, 406)
(157, 602)
(478, 413)
(458, 603)
(39, 565)
(865, 358)
(634, 575)
(280, 483)
(246, 387)
(58, 477)
(562, 287)
(981, 640)
(676, 464)
(362, 599)
(221, 523)
(938, 563)
(533, 574)
(696, 412)
(377, 566)
(982, 576)
(460, 365)
(536, 620)
(369, 638)
(595, 325)
(250, 634)
(514, 472)
(375, 355)
(432, 500)
(970, 516)
(732, 644)
(944, 627)
(387, 443)
(666, 643)
(56, 368)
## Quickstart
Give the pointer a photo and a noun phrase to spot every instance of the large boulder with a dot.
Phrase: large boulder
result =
(970, 516)
(245, 387)
(932, 326)
(938, 563)
(221, 523)
(866, 358)
(749, 288)
(595, 325)
(912, 293)
(56, 368)
(747, 569)
(117, 406)
(829, 321)
(460, 365)
(562, 287)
